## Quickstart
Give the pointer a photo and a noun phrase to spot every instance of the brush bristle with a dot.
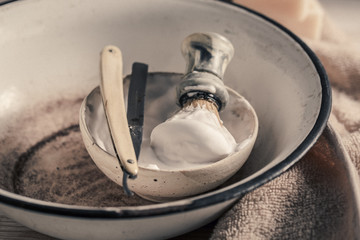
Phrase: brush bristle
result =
(211, 106)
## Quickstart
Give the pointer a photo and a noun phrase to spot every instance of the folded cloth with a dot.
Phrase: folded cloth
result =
(314, 199)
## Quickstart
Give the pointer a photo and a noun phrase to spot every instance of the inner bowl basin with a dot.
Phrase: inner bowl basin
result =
(50, 62)
(166, 183)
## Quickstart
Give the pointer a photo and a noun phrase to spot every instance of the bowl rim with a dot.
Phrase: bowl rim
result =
(232, 192)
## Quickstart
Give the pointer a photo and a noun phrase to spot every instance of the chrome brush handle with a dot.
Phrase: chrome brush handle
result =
(207, 56)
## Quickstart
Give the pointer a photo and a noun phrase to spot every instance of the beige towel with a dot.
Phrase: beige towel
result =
(313, 200)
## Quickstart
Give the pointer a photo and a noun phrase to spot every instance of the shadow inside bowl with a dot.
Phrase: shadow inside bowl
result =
(50, 162)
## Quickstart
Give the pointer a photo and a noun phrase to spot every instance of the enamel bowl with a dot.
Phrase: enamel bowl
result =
(163, 185)
(50, 62)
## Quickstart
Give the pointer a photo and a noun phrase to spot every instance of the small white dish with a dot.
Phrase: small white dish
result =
(163, 184)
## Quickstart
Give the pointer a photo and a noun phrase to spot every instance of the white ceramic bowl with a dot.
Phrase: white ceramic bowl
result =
(163, 185)
(49, 52)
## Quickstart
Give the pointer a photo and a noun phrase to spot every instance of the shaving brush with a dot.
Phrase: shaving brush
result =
(207, 56)
(196, 133)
